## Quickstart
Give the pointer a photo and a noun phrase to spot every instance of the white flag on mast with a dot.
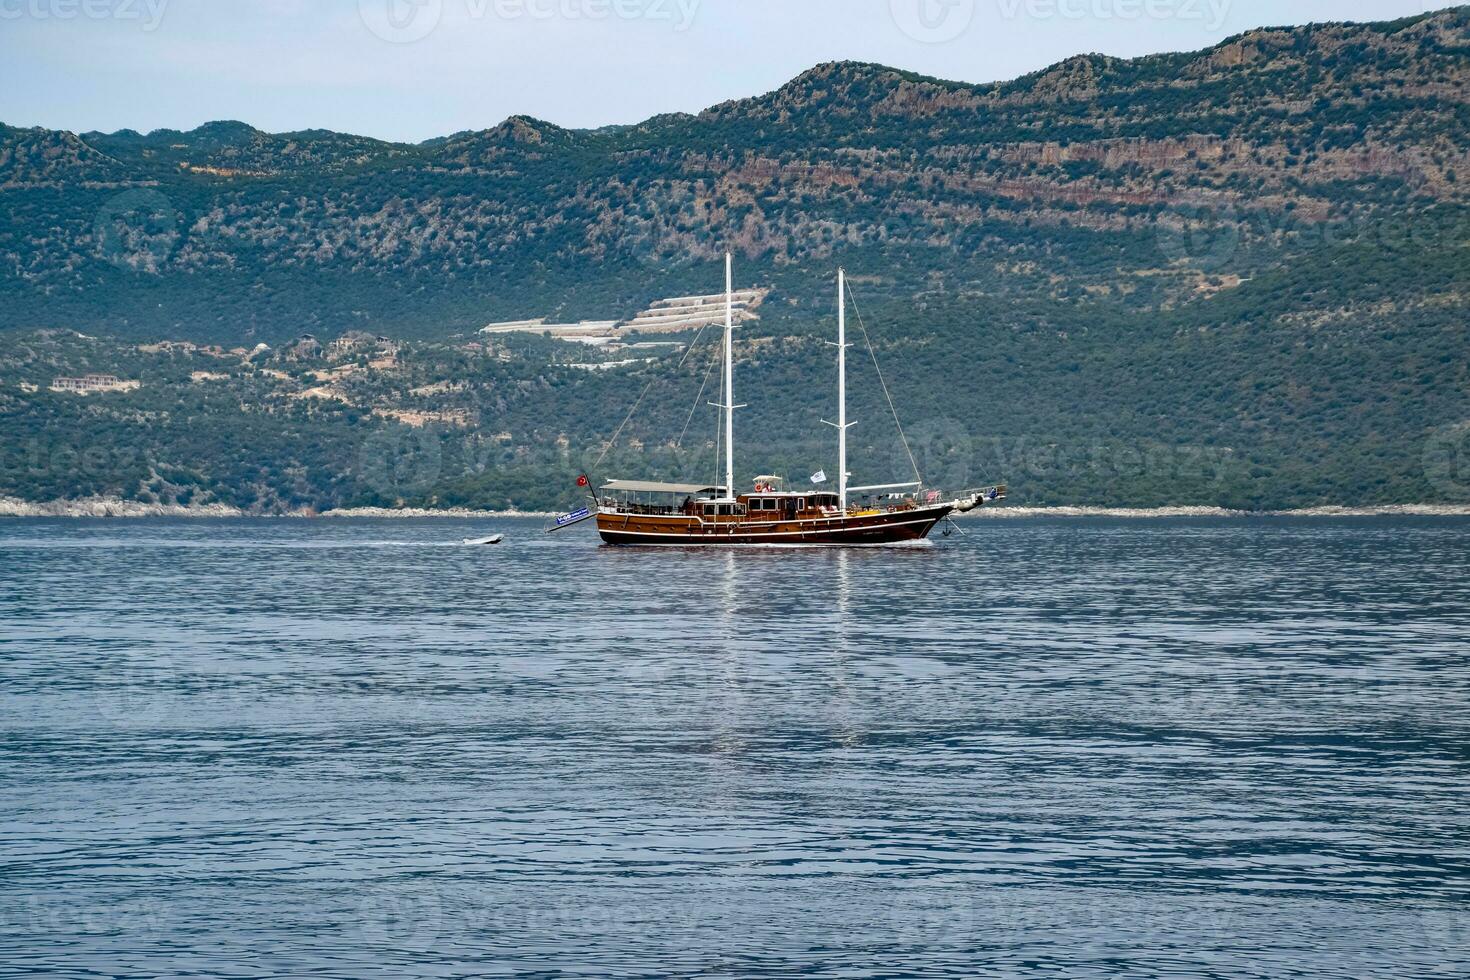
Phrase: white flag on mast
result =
(820, 476)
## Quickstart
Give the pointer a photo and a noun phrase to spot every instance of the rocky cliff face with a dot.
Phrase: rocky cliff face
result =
(1329, 122)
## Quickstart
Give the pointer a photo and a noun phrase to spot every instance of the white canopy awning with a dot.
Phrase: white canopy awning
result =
(646, 486)
(884, 486)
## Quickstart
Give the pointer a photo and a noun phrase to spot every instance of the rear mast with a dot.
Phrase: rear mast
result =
(841, 424)
(729, 379)
(842, 388)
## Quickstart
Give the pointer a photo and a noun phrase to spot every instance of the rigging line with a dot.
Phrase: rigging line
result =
(692, 344)
(695, 407)
(619, 431)
(884, 385)
(719, 438)
(629, 417)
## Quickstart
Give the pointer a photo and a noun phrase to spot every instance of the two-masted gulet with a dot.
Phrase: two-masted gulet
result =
(640, 512)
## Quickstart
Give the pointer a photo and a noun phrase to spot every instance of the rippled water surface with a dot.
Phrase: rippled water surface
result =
(1049, 748)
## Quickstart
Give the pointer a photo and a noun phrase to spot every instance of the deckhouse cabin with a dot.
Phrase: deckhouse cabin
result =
(784, 505)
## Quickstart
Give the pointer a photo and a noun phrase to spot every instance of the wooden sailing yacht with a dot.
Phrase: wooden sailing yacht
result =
(638, 512)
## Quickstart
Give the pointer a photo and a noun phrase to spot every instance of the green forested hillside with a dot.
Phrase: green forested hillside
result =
(1230, 277)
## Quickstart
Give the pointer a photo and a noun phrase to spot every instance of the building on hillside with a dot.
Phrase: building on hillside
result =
(89, 383)
(349, 343)
(672, 315)
(678, 313)
(361, 342)
(588, 331)
(306, 348)
(169, 347)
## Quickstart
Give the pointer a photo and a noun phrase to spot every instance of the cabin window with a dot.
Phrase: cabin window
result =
(709, 510)
(801, 503)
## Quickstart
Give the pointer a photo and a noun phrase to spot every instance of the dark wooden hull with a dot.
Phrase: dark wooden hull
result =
(877, 528)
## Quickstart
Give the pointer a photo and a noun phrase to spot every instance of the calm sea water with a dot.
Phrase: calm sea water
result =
(1050, 748)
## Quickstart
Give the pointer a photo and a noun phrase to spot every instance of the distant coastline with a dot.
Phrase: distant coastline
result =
(1382, 510)
(113, 507)
(117, 507)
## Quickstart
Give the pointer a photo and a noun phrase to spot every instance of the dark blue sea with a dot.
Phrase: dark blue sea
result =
(1049, 748)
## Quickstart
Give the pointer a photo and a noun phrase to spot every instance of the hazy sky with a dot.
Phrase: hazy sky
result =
(411, 69)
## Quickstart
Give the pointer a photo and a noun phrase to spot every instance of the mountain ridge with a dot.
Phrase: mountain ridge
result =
(1251, 256)
(1230, 48)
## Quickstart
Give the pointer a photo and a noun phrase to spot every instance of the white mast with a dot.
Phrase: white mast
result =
(842, 388)
(729, 380)
(728, 404)
(841, 423)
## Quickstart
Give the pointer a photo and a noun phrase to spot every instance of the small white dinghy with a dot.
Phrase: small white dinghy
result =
(492, 539)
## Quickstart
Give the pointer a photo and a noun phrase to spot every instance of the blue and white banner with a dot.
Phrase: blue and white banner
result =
(573, 517)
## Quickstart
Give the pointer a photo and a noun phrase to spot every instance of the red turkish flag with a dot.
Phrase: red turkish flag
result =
(582, 480)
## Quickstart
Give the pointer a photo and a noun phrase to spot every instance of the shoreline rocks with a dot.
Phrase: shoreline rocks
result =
(1382, 510)
(110, 507)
